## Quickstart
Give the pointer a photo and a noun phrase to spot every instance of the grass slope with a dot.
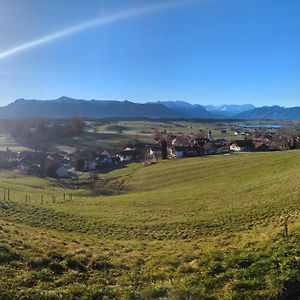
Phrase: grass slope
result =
(200, 228)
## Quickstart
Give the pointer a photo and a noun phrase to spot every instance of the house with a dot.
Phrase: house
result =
(182, 151)
(182, 139)
(223, 150)
(57, 169)
(127, 155)
(201, 141)
(103, 160)
(31, 162)
(58, 156)
(242, 146)
(261, 146)
(221, 142)
(209, 148)
(136, 145)
(90, 159)
(154, 151)
(63, 171)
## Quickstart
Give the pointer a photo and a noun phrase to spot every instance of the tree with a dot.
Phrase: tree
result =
(78, 165)
(164, 149)
(76, 125)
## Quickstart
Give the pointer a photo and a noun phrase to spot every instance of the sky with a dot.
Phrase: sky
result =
(201, 51)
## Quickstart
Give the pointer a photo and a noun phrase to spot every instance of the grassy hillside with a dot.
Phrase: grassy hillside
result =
(199, 228)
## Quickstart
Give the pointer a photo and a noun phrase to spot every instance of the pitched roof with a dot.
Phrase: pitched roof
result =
(243, 143)
(259, 144)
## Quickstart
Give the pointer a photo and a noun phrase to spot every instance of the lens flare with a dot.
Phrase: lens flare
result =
(137, 12)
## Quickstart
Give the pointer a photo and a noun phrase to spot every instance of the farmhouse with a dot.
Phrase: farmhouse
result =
(182, 151)
(242, 146)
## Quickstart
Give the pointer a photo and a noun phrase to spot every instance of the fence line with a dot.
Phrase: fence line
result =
(37, 198)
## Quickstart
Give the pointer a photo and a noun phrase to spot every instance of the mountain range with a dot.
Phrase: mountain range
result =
(66, 107)
(272, 113)
(231, 110)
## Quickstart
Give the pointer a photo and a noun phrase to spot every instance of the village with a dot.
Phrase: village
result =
(60, 164)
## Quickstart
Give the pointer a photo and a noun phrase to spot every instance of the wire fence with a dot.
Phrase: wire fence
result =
(37, 198)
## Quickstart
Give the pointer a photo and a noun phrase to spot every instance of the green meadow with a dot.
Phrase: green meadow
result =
(214, 227)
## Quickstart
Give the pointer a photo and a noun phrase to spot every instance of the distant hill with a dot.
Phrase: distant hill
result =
(228, 111)
(271, 112)
(65, 107)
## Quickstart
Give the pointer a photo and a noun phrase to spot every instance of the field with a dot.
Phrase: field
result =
(201, 228)
(113, 135)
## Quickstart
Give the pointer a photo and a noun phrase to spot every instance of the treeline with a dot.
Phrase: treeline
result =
(38, 131)
(290, 137)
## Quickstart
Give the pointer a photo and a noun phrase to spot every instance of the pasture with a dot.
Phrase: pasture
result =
(201, 228)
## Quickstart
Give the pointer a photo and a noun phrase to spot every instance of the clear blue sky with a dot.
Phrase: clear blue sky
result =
(205, 51)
